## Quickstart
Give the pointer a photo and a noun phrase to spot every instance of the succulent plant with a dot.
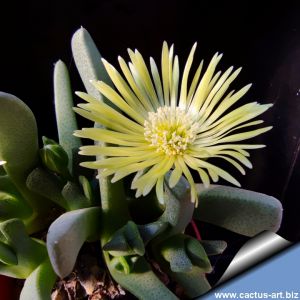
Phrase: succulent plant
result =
(49, 210)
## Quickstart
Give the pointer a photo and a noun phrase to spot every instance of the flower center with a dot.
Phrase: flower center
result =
(170, 129)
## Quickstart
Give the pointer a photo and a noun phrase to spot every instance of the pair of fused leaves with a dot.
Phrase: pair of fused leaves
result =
(67, 195)
(12, 203)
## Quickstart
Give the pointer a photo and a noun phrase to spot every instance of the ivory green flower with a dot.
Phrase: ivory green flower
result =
(165, 124)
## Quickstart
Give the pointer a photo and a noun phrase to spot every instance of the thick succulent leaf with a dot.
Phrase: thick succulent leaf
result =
(18, 135)
(194, 282)
(39, 284)
(30, 252)
(47, 185)
(185, 260)
(126, 241)
(241, 211)
(87, 190)
(131, 238)
(2, 171)
(173, 251)
(141, 281)
(183, 252)
(178, 210)
(12, 206)
(74, 197)
(88, 61)
(213, 247)
(12, 203)
(151, 230)
(6, 185)
(197, 254)
(65, 116)
(67, 234)
(7, 255)
(19, 148)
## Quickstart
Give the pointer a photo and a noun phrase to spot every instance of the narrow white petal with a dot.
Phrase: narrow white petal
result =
(202, 90)
(194, 84)
(160, 190)
(175, 175)
(157, 81)
(188, 175)
(185, 76)
(126, 71)
(175, 83)
(143, 72)
(116, 99)
(165, 72)
(204, 177)
(124, 89)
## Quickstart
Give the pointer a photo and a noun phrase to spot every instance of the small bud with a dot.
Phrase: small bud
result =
(54, 157)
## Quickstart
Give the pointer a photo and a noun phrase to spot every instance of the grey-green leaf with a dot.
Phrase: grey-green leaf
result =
(241, 211)
(88, 61)
(19, 145)
(194, 282)
(12, 206)
(30, 252)
(39, 284)
(47, 185)
(7, 255)
(74, 197)
(67, 234)
(151, 230)
(6, 185)
(18, 135)
(182, 252)
(126, 241)
(197, 254)
(142, 282)
(178, 208)
(65, 116)
(213, 247)
(173, 250)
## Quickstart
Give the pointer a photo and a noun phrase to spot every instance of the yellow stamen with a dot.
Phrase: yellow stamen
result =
(170, 130)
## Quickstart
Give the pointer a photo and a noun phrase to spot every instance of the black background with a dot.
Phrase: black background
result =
(262, 36)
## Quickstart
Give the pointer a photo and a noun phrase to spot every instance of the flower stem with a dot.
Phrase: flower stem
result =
(196, 230)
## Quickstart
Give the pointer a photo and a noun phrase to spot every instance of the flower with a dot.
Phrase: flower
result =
(158, 123)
